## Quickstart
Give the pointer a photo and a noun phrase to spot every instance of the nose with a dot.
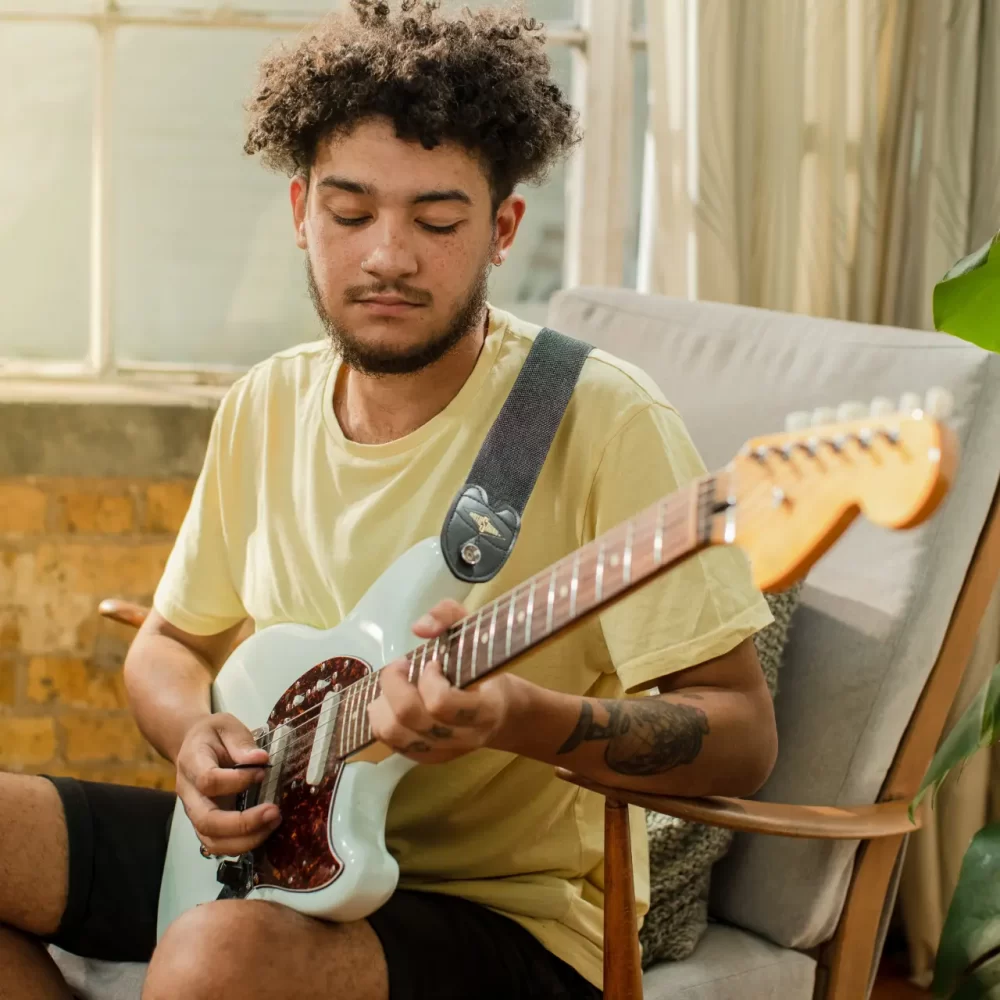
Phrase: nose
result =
(390, 257)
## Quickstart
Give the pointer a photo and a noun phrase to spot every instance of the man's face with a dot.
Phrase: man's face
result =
(399, 243)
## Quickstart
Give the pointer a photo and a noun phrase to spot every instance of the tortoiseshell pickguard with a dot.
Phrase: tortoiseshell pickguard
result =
(298, 855)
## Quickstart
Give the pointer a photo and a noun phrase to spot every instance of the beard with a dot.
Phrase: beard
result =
(385, 359)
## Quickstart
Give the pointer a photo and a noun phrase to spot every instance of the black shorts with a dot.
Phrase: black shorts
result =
(117, 849)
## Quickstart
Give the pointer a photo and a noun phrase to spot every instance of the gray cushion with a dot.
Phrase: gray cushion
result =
(89, 979)
(731, 964)
(682, 854)
(874, 609)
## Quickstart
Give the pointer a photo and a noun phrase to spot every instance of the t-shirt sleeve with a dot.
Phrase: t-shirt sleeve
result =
(196, 592)
(699, 609)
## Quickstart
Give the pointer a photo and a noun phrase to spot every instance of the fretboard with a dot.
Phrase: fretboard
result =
(590, 578)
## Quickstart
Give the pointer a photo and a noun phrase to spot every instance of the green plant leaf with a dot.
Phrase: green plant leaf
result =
(983, 984)
(972, 927)
(977, 728)
(967, 298)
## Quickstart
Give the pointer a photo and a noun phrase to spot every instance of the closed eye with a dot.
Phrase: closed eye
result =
(343, 220)
(439, 229)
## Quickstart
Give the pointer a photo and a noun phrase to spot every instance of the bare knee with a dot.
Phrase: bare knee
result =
(207, 952)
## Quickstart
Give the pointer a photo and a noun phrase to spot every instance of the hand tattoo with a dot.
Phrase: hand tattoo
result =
(644, 735)
(465, 716)
(417, 746)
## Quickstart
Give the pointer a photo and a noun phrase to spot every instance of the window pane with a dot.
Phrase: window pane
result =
(46, 114)
(534, 269)
(206, 268)
(286, 8)
(50, 6)
(640, 120)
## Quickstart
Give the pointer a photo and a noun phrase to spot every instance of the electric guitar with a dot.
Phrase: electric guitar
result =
(304, 693)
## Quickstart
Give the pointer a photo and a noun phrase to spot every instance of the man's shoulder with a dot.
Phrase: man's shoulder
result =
(610, 390)
(289, 371)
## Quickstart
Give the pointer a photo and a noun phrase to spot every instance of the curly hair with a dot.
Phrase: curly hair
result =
(479, 79)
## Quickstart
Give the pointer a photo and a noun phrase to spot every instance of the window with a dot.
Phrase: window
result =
(136, 235)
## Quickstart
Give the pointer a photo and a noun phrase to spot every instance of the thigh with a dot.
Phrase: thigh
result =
(117, 846)
(440, 947)
(33, 865)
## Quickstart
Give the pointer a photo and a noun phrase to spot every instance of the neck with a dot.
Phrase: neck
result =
(375, 409)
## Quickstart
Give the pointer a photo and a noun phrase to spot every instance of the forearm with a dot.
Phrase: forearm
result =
(168, 688)
(708, 741)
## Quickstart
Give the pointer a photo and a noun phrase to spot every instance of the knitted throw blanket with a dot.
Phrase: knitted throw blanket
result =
(681, 854)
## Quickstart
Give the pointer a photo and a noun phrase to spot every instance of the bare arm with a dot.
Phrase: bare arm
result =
(711, 730)
(168, 676)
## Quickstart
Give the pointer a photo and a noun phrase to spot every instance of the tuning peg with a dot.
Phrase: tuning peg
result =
(910, 402)
(851, 411)
(881, 406)
(938, 403)
(797, 421)
(824, 415)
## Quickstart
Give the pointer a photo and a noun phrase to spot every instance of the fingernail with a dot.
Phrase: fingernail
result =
(425, 622)
(270, 815)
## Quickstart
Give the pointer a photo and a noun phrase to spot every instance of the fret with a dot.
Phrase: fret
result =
(510, 624)
(627, 562)
(599, 576)
(552, 600)
(444, 662)
(658, 540)
(574, 583)
(475, 642)
(412, 658)
(493, 627)
(531, 607)
(461, 649)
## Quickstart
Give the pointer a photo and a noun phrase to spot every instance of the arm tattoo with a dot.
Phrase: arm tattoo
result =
(644, 735)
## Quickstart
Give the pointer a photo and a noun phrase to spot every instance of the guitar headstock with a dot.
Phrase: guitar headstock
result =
(791, 495)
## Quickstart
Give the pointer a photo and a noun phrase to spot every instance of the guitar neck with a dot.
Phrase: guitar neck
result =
(593, 576)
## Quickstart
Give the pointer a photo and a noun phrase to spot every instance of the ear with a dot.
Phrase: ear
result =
(299, 194)
(508, 218)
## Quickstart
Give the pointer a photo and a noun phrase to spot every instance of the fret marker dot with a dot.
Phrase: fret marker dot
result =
(564, 591)
(520, 618)
(614, 560)
(485, 639)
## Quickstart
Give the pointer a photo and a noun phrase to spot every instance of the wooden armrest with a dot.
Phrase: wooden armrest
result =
(883, 819)
(123, 611)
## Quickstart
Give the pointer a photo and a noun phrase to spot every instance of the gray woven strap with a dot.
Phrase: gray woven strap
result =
(484, 520)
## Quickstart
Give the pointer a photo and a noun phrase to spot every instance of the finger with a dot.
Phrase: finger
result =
(442, 616)
(227, 781)
(390, 731)
(403, 700)
(451, 705)
(230, 826)
(239, 742)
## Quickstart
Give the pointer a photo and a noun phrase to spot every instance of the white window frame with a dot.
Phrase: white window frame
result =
(596, 191)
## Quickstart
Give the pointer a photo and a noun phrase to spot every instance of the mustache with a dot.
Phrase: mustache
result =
(418, 296)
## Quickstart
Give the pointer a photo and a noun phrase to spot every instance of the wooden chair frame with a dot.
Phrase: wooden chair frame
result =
(845, 963)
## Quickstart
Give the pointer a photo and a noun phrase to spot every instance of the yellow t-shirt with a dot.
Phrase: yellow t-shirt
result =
(292, 522)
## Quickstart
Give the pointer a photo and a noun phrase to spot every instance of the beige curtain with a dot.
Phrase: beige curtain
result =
(831, 157)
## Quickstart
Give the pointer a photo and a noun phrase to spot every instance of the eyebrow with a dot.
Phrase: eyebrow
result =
(356, 187)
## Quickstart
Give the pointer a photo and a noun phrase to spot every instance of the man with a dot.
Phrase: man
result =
(405, 135)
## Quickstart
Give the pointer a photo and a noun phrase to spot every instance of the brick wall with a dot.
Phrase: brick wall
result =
(67, 542)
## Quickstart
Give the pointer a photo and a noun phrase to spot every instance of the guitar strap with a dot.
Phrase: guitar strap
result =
(484, 519)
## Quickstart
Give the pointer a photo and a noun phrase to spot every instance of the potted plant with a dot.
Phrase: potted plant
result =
(967, 305)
